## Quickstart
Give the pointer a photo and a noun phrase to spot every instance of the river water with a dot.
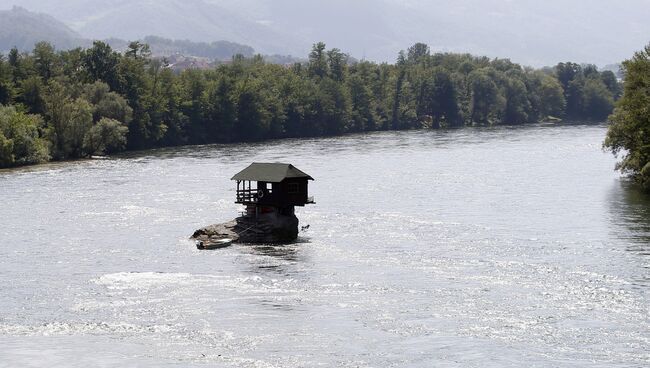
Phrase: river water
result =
(498, 247)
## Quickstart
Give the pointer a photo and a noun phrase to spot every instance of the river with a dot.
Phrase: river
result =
(494, 247)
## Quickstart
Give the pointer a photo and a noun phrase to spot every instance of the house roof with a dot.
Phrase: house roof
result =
(270, 173)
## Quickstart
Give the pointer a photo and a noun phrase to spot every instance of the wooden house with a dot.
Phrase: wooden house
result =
(276, 186)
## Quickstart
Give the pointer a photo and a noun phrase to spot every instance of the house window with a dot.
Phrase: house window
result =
(294, 188)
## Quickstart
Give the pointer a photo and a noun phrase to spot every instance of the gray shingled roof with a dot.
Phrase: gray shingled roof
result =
(270, 173)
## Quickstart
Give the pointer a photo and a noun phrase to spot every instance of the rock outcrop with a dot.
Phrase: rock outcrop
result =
(265, 228)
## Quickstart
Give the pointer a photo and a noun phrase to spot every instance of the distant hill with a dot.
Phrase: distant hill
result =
(531, 32)
(217, 50)
(195, 20)
(22, 29)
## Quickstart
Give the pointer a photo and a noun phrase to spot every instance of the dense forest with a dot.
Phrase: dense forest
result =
(58, 105)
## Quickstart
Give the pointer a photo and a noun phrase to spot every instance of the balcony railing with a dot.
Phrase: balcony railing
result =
(252, 196)
(247, 196)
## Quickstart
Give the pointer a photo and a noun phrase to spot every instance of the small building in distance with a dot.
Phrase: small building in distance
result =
(270, 192)
(281, 186)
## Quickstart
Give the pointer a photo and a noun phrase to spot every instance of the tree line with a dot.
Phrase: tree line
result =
(57, 105)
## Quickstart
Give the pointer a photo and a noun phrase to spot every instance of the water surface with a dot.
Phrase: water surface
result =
(495, 247)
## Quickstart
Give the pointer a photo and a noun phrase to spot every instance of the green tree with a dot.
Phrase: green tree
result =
(101, 64)
(45, 60)
(107, 104)
(318, 61)
(253, 120)
(485, 95)
(221, 112)
(566, 72)
(22, 132)
(629, 132)
(6, 152)
(333, 108)
(438, 99)
(6, 83)
(337, 62)
(418, 52)
(363, 109)
(609, 78)
(399, 94)
(598, 101)
(106, 137)
(517, 107)
(575, 98)
(551, 97)
(31, 93)
(69, 121)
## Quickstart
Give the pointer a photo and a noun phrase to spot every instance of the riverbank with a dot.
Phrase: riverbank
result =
(190, 150)
(132, 102)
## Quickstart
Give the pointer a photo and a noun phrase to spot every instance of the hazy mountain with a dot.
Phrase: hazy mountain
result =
(195, 20)
(528, 31)
(218, 50)
(22, 29)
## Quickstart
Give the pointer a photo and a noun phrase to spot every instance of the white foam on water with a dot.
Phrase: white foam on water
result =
(188, 283)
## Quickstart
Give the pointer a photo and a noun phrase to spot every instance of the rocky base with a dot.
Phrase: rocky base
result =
(214, 233)
(267, 229)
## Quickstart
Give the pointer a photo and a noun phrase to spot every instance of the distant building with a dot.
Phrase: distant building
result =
(272, 187)
(270, 192)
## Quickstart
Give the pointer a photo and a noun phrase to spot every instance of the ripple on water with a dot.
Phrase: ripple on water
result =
(473, 248)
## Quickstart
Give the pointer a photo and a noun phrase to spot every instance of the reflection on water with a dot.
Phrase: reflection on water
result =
(630, 219)
(630, 213)
(281, 260)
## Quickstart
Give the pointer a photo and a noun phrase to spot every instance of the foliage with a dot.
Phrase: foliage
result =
(107, 136)
(20, 142)
(99, 101)
(629, 132)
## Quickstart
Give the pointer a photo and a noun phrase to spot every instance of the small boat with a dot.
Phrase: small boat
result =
(214, 244)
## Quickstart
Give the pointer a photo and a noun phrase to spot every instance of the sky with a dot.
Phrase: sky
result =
(535, 33)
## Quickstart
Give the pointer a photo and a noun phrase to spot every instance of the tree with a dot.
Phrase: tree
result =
(318, 61)
(107, 104)
(100, 63)
(609, 78)
(418, 52)
(598, 101)
(221, 112)
(45, 60)
(6, 85)
(517, 105)
(253, 121)
(397, 92)
(337, 62)
(551, 98)
(20, 140)
(333, 108)
(485, 95)
(629, 132)
(69, 121)
(31, 92)
(363, 115)
(6, 152)
(566, 72)
(575, 99)
(438, 99)
(106, 137)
